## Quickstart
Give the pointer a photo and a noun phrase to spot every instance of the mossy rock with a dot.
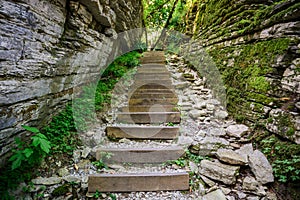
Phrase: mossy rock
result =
(61, 190)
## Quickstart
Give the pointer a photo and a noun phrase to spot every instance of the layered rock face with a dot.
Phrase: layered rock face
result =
(255, 45)
(50, 48)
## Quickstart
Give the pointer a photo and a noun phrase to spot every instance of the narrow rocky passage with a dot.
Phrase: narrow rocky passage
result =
(219, 161)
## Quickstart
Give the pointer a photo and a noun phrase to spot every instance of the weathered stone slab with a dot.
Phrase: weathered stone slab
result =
(219, 172)
(245, 151)
(46, 181)
(142, 132)
(147, 118)
(138, 182)
(237, 130)
(215, 195)
(231, 157)
(261, 167)
(208, 145)
(139, 155)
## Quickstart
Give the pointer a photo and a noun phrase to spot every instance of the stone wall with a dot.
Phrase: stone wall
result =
(255, 45)
(50, 47)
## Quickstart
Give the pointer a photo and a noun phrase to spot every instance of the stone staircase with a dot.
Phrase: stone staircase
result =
(151, 114)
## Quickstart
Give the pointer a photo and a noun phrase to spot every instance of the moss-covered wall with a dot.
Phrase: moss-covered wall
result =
(255, 45)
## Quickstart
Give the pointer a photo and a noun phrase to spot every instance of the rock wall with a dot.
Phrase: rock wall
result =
(47, 49)
(255, 45)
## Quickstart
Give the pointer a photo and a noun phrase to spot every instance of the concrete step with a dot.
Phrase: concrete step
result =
(148, 108)
(142, 132)
(152, 101)
(148, 117)
(152, 155)
(138, 182)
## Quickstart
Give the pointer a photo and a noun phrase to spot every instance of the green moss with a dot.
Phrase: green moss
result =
(286, 127)
(61, 190)
(246, 79)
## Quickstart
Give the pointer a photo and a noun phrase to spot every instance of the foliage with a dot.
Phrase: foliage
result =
(246, 80)
(156, 12)
(184, 161)
(32, 153)
(100, 164)
(97, 194)
(284, 157)
(25, 158)
(61, 135)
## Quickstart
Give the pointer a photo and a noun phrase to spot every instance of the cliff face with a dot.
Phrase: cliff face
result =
(47, 49)
(255, 45)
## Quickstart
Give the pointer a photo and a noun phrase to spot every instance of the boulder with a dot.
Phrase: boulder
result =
(219, 172)
(250, 184)
(231, 157)
(237, 130)
(245, 151)
(215, 195)
(216, 132)
(221, 114)
(261, 167)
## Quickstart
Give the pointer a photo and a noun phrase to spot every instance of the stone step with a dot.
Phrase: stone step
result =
(148, 117)
(154, 76)
(152, 95)
(138, 182)
(152, 155)
(154, 90)
(148, 108)
(153, 86)
(153, 71)
(144, 71)
(152, 101)
(155, 83)
(148, 60)
(142, 132)
(153, 53)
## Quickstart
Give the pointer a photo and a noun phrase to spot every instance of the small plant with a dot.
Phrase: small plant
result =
(100, 164)
(284, 158)
(97, 194)
(113, 196)
(32, 153)
(170, 124)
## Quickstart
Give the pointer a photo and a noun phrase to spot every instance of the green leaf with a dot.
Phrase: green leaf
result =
(40, 135)
(31, 129)
(35, 141)
(42, 141)
(17, 160)
(28, 152)
(45, 145)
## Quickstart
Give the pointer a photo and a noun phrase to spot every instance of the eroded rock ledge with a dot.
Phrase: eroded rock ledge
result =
(48, 49)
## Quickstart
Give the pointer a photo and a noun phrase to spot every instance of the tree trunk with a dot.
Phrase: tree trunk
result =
(163, 33)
